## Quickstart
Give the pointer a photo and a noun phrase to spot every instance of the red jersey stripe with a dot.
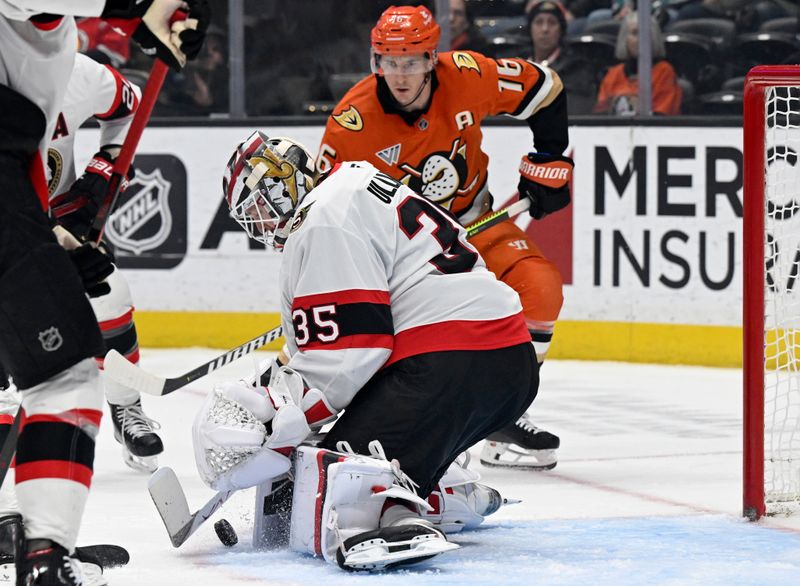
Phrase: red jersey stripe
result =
(54, 469)
(342, 298)
(76, 417)
(39, 179)
(460, 335)
(122, 320)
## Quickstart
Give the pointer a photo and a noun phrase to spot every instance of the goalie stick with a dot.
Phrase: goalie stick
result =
(124, 372)
(170, 501)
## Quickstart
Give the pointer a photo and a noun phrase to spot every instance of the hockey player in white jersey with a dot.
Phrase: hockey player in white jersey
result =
(100, 91)
(393, 324)
(48, 332)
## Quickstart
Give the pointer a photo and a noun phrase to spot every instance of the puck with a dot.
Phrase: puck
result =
(226, 533)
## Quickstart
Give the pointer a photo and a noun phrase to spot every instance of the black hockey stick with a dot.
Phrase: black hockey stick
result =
(124, 372)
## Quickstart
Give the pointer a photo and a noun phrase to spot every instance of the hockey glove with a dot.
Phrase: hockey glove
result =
(75, 209)
(93, 267)
(233, 446)
(544, 179)
(159, 29)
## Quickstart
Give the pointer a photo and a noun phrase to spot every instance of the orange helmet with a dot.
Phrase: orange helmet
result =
(405, 29)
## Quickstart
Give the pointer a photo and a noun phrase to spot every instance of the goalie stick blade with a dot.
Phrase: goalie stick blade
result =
(121, 370)
(170, 501)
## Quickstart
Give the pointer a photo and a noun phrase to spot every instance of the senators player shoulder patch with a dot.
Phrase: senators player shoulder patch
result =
(464, 60)
(56, 164)
(299, 218)
(349, 119)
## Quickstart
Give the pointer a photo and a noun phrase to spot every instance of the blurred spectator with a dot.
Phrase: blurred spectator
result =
(747, 14)
(464, 35)
(98, 40)
(547, 24)
(614, 9)
(582, 8)
(303, 43)
(202, 87)
(619, 89)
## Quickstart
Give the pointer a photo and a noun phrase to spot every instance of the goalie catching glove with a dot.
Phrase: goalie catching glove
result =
(544, 180)
(242, 433)
(76, 208)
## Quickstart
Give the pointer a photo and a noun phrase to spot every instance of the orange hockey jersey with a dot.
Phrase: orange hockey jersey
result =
(437, 152)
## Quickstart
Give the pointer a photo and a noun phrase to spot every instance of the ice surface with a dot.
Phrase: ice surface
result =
(647, 491)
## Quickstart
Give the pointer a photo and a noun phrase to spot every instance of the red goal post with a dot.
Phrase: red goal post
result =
(771, 288)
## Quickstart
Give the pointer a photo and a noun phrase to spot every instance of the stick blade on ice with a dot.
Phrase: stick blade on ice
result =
(167, 494)
(121, 370)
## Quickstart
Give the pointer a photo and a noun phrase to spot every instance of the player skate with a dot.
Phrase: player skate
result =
(137, 434)
(521, 445)
(51, 565)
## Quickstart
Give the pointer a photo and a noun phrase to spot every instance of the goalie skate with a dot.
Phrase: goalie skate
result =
(392, 546)
(521, 445)
(137, 434)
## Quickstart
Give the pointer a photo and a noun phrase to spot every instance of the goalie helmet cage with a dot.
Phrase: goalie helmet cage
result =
(771, 289)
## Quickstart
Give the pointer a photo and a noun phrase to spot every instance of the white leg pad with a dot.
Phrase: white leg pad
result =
(337, 496)
(459, 501)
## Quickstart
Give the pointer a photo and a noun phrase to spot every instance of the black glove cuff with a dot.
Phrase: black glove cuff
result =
(125, 8)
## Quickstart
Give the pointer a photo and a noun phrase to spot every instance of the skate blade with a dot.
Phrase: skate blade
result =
(377, 554)
(148, 464)
(519, 466)
(512, 456)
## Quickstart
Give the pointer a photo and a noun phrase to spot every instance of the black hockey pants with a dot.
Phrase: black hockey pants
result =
(427, 409)
(46, 321)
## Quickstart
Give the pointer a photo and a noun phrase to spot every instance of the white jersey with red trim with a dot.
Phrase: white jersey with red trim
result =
(37, 59)
(94, 90)
(373, 273)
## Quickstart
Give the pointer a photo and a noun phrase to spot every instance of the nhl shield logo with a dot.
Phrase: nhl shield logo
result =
(144, 221)
(50, 339)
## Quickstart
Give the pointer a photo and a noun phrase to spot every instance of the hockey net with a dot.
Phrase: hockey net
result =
(772, 291)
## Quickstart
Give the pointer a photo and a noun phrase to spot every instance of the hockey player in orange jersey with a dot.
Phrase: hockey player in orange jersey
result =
(418, 120)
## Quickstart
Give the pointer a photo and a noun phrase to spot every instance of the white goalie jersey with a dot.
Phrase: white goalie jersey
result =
(94, 90)
(373, 273)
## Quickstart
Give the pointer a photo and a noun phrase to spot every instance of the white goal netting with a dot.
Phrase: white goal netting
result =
(782, 300)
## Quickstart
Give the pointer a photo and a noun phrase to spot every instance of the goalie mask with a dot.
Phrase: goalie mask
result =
(264, 182)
